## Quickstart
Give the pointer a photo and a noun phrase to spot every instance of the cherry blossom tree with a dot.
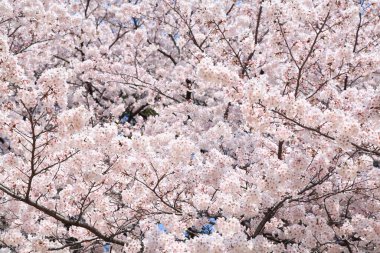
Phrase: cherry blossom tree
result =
(238, 126)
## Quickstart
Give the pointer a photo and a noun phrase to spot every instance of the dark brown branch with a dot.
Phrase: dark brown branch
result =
(269, 215)
(279, 153)
(345, 82)
(230, 9)
(357, 33)
(60, 58)
(119, 35)
(167, 55)
(86, 8)
(227, 111)
(258, 23)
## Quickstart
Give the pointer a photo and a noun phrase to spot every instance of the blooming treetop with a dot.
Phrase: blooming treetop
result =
(120, 115)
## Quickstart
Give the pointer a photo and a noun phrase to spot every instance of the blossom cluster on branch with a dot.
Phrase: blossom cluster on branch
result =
(256, 120)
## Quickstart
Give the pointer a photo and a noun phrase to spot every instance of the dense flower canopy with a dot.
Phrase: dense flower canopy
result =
(257, 118)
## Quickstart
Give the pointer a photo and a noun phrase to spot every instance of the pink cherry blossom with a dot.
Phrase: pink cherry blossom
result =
(189, 126)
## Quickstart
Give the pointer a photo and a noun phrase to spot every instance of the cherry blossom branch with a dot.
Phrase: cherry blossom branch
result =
(315, 130)
(323, 84)
(236, 54)
(119, 36)
(146, 85)
(269, 215)
(154, 188)
(374, 150)
(61, 218)
(258, 22)
(73, 244)
(33, 149)
(310, 51)
(188, 25)
(356, 41)
(32, 43)
(167, 55)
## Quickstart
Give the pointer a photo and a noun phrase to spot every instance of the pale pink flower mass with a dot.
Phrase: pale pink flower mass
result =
(189, 126)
